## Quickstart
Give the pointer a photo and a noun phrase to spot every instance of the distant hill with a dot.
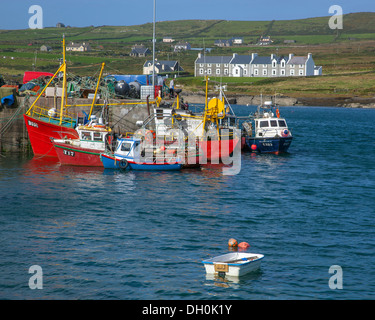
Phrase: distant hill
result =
(196, 31)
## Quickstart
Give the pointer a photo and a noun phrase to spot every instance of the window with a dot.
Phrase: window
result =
(283, 64)
(282, 123)
(209, 65)
(292, 65)
(292, 72)
(274, 64)
(201, 65)
(263, 124)
(282, 72)
(126, 146)
(209, 71)
(217, 71)
(301, 72)
(301, 65)
(264, 66)
(274, 72)
(201, 71)
(226, 65)
(264, 72)
(255, 66)
(86, 135)
(256, 72)
(159, 114)
(217, 65)
(273, 123)
(97, 136)
(226, 71)
(245, 72)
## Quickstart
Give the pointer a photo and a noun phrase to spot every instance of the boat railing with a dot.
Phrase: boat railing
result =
(39, 112)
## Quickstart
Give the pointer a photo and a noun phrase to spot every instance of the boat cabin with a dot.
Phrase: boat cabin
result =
(268, 124)
(128, 148)
(92, 137)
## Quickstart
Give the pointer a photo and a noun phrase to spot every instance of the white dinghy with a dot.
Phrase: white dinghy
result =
(233, 264)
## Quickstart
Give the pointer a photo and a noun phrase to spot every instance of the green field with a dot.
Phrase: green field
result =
(347, 56)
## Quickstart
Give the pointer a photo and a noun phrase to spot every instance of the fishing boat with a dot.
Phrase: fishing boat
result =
(233, 264)
(42, 123)
(266, 131)
(58, 133)
(214, 129)
(95, 137)
(134, 154)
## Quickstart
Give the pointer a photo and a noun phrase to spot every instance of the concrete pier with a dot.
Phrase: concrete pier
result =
(13, 132)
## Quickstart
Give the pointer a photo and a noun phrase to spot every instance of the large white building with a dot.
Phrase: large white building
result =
(256, 66)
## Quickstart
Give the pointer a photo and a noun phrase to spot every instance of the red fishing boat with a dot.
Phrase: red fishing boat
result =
(44, 123)
(214, 130)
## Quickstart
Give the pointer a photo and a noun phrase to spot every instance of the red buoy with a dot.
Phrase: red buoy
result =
(243, 245)
(253, 147)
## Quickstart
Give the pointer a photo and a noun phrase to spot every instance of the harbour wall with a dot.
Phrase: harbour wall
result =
(343, 101)
(13, 132)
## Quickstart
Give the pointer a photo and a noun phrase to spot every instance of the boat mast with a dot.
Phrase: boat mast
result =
(96, 90)
(153, 48)
(64, 82)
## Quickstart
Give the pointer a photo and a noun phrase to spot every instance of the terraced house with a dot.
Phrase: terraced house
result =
(256, 66)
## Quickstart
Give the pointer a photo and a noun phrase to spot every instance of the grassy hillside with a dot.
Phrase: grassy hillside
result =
(350, 51)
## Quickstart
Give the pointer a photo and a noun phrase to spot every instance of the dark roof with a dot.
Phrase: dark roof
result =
(168, 63)
(140, 50)
(262, 60)
(240, 59)
(214, 59)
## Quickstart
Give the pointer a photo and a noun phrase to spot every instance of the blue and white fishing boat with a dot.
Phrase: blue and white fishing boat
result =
(130, 154)
(266, 131)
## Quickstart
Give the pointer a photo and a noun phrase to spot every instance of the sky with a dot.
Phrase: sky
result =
(81, 13)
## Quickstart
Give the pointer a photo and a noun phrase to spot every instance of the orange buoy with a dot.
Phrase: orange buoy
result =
(232, 242)
(243, 245)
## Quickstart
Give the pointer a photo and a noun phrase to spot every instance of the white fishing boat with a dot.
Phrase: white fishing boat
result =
(233, 264)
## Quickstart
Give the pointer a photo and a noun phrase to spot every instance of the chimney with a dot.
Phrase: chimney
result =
(273, 56)
(309, 55)
(199, 55)
(234, 55)
(253, 55)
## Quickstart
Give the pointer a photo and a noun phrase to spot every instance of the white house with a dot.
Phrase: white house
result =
(168, 40)
(182, 46)
(162, 66)
(240, 65)
(256, 66)
(80, 47)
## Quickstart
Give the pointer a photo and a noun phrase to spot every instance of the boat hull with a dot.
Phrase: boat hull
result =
(40, 133)
(233, 264)
(269, 145)
(215, 150)
(110, 162)
(77, 156)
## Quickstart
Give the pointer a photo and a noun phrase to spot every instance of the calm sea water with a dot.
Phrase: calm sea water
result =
(100, 234)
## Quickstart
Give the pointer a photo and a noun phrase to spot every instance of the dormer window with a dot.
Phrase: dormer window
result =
(273, 64)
